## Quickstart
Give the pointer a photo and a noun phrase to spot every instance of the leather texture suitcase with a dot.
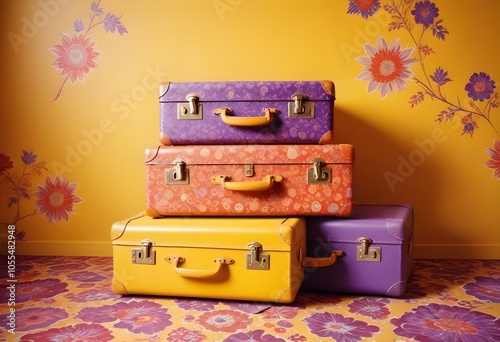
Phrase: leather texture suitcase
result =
(250, 112)
(254, 259)
(249, 180)
(377, 245)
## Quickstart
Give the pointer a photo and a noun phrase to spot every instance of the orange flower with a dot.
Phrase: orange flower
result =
(56, 198)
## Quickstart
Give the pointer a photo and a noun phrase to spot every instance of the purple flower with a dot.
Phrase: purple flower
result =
(440, 76)
(36, 318)
(198, 305)
(447, 323)
(425, 12)
(96, 8)
(339, 328)
(75, 332)
(5, 162)
(484, 288)
(469, 125)
(480, 86)
(28, 157)
(144, 317)
(375, 308)
(255, 335)
(78, 25)
(112, 22)
(366, 8)
(39, 289)
(85, 276)
(183, 334)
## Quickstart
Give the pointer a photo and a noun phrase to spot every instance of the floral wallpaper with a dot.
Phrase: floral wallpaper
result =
(55, 198)
(388, 68)
(76, 55)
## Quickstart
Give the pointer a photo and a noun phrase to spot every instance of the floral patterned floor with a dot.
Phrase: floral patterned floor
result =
(70, 299)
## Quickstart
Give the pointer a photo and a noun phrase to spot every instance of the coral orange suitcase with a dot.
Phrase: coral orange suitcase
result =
(249, 180)
(257, 259)
(377, 241)
(249, 112)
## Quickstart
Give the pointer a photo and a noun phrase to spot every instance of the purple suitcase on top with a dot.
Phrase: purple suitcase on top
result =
(249, 112)
(376, 241)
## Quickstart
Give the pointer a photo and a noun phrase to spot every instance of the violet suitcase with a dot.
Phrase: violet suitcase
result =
(251, 112)
(258, 259)
(249, 180)
(377, 245)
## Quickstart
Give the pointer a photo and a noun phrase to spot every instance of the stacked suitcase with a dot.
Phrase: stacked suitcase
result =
(248, 198)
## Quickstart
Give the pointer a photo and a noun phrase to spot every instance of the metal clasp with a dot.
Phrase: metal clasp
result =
(367, 253)
(318, 173)
(192, 110)
(300, 107)
(178, 175)
(256, 260)
(144, 255)
(249, 170)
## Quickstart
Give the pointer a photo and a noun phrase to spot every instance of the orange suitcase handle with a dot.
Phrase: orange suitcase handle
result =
(245, 121)
(263, 185)
(322, 262)
(191, 273)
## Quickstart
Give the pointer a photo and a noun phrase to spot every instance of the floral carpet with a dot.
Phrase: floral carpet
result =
(70, 299)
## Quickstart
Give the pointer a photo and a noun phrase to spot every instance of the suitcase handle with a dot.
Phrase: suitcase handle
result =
(175, 260)
(263, 185)
(245, 121)
(322, 262)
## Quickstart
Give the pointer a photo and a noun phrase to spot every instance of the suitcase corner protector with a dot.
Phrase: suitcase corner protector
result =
(151, 212)
(326, 138)
(165, 139)
(118, 287)
(163, 88)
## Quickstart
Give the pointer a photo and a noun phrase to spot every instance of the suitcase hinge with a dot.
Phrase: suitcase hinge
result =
(318, 173)
(300, 107)
(192, 110)
(367, 253)
(144, 255)
(177, 175)
(256, 260)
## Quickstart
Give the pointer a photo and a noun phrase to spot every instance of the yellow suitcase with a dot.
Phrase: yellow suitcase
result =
(255, 259)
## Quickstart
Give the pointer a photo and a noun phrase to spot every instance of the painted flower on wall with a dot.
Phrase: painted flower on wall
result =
(419, 19)
(494, 162)
(387, 66)
(20, 185)
(76, 55)
(57, 198)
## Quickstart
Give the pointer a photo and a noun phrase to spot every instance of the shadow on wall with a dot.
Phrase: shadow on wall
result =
(387, 171)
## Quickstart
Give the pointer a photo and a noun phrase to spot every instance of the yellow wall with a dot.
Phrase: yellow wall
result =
(93, 136)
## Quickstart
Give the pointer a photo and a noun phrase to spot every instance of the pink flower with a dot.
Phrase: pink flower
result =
(75, 56)
(387, 66)
(56, 198)
(494, 162)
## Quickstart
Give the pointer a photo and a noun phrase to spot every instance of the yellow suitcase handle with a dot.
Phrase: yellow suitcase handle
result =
(244, 120)
(322, 262)
(263, 185)
(175, 260)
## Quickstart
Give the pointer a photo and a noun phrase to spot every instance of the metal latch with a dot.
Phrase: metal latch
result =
(144, 255)
(319, 173)
(177, 175)
(367, 253)
(300, 107)
(249, 170)
(192, 110)
(256, 260)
